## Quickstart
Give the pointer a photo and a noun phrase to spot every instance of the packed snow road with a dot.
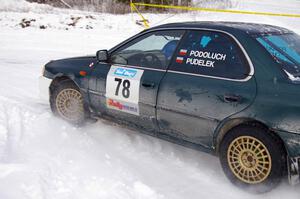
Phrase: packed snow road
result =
(42, 157)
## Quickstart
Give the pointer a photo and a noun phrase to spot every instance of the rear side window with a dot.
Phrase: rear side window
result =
(285, 49)
(212, 54)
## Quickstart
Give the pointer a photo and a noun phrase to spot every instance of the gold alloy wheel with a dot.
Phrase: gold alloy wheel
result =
(249, 159)
(69, 104)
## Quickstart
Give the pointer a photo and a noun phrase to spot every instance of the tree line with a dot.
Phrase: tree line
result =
(110, 6)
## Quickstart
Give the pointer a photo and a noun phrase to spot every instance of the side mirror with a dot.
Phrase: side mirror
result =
(102, 55)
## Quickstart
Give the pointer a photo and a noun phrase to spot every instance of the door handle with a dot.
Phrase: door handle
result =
(232, 98)
(148, 84)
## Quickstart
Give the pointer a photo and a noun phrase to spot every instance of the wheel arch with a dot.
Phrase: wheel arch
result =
(227, 125)
(60, 78)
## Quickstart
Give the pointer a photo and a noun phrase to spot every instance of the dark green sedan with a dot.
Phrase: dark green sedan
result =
(230, 89)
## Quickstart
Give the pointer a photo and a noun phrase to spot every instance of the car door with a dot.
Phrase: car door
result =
(126, 88)
(209, 79)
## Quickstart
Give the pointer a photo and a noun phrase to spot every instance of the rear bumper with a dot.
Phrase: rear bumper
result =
(294, 170)
(292, 146)
(44, 85)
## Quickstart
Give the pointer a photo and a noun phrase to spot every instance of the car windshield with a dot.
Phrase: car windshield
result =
(285, 49)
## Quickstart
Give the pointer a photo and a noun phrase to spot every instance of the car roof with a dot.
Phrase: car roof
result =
(230, 27)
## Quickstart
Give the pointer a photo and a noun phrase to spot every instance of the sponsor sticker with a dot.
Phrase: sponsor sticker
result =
(122, 106)
(122, 89)
(125, 72)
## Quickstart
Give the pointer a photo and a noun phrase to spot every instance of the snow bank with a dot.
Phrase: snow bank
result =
(23, 6)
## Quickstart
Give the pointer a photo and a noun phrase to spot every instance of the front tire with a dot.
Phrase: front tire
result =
(66, 101)
(252, 158)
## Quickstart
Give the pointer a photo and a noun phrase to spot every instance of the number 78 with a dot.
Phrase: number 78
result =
(126, 86)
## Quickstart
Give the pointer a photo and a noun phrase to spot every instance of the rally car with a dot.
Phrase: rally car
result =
(230, 89)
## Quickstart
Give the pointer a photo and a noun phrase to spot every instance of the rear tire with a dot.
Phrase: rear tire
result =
(66, 101)
(252, 158)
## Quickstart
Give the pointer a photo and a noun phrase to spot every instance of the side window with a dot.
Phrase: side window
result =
(285, 49)
(212, 54)
(152, 50)
(275, 53)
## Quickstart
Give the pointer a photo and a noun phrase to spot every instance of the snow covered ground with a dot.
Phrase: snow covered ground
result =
(42, 157)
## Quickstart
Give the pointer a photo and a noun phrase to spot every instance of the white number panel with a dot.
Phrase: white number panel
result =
(123, 88)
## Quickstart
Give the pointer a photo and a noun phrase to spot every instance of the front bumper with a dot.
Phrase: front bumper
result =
(44, 86)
